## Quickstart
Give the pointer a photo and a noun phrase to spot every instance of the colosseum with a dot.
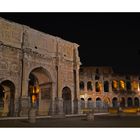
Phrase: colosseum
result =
(41, 71)
(101, 88)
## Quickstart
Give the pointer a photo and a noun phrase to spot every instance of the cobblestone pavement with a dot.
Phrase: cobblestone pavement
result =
(100, 121)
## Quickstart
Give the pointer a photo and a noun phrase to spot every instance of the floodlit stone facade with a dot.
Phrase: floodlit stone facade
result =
(41, 71)
(101, 88)
(37, 70)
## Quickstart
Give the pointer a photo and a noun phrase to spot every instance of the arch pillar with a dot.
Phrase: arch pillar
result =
(53, 103)
(60, 107)
(78, 92)
(24, 99)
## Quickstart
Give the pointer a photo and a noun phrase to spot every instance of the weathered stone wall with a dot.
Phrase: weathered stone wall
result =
(106, 74)
(23, 49)
(11, 33)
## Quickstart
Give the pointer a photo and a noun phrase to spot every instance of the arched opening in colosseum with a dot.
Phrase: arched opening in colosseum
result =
(114, 102)
(114, 85)
(106, 86)
(90, 103)
(136, 102)
(98, 86)
(98, 103)
(82, 103)
(89, 85)
(66, 95)
(128, 85)
(7, 95)
(106, 102)
(82, 85)
(122, 102)
(129, 102)
(40, 90)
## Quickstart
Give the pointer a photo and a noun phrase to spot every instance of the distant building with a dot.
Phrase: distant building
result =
(37, 70)
(101, 88)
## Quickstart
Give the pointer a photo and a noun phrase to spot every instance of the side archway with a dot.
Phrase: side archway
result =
(7, 96)
(66, 95)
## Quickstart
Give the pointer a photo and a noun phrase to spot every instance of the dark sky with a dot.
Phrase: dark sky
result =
(105, 39)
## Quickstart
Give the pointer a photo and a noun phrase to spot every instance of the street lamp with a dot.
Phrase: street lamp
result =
(34, 94)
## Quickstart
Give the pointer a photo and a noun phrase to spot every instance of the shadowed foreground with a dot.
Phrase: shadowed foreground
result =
(100, 121)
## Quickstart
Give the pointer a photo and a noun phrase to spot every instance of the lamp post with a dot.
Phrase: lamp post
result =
(34, 96)
(34, 101)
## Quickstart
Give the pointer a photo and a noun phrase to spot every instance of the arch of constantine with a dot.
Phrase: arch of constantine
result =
(37, 70)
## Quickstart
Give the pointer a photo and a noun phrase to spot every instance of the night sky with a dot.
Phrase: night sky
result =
(105, 39)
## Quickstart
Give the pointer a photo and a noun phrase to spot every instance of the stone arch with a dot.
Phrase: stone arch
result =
(44, 70)
(122, 102)
(66, 95)
(106, 102)
(82, 103)
(115, 102)
(128, 85)
(129, 102)
(89, 85)
(106, 86)
(49, 71)
(7, 97)
(90, 103)
(136, 102)
(82, 85)
(40, 90)
(115, 84)
(89, 99)
(98, 102)
(98, 86)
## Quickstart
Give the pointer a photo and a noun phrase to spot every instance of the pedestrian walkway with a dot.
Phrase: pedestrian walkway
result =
(43, 117)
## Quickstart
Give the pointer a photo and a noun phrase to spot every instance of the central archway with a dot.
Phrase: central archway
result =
(40, 90)
(66, 95)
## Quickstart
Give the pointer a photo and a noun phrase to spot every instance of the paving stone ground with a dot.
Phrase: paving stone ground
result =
(100, 121)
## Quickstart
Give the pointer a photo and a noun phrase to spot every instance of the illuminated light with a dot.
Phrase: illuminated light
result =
(33, 90)
(99, 86)
(33, 98)
(138, 87)
(38, 90)
(135, 85)
(122, 84)
(115, 84)
(107, 100)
